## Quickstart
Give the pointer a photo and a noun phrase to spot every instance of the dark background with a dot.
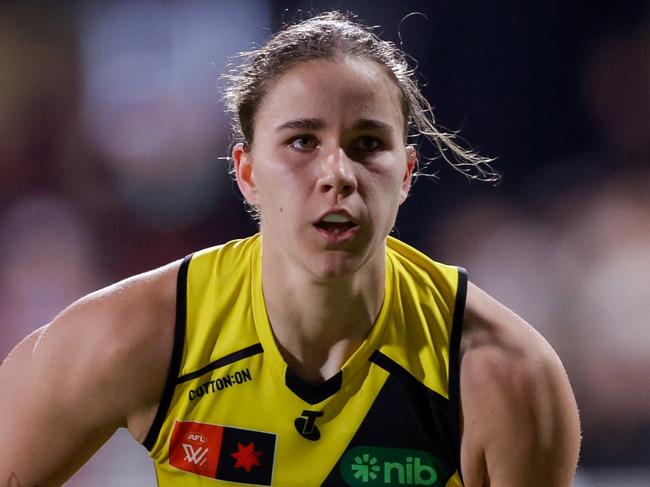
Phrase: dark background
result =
(111, 134)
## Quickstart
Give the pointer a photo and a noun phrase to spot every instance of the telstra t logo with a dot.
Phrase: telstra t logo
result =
(306, 424)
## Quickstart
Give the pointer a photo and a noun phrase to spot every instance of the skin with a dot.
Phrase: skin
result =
(512, 376)
(297, 171)
(67, 387)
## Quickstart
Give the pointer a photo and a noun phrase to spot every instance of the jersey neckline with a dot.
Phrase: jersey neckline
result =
(280, 369)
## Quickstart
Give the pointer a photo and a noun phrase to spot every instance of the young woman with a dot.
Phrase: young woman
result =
(320, 351)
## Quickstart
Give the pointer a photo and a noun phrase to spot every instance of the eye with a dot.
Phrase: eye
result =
(367, 143)
(303, 142)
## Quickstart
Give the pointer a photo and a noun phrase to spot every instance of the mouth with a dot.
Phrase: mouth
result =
(336, 226)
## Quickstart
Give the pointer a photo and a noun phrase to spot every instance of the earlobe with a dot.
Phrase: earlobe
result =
(411, 164)
(244, 172)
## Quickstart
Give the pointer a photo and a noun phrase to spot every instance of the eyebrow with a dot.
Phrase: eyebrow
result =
(316, 124)
(301, 123)
(371, 124)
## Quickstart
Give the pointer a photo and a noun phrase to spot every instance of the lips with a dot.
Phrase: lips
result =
(336, 225)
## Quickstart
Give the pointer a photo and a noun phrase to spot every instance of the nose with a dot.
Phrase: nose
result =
(337, 174)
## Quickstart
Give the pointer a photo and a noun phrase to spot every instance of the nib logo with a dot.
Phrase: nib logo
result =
(365, 468)
(366, 465)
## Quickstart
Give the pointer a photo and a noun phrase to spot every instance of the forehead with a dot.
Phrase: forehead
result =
(347, 88)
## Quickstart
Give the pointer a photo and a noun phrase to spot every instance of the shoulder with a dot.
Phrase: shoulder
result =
(520, 420)
(115, 342)
(99, 365)
(493, 332)
(124, 312)
(136, 322)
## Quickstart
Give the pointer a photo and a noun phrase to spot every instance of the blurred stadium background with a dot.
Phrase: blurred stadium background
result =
(111, 131)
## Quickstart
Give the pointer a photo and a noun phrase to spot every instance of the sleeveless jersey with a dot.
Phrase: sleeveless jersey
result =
(233, 413)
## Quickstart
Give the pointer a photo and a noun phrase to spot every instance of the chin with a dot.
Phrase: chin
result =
(330, 267)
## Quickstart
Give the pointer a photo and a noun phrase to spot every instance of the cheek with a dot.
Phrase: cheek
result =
(381, 201)
(282, 188)
(385, 184)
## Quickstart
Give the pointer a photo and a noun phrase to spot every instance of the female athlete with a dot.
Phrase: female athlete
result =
(321, 351)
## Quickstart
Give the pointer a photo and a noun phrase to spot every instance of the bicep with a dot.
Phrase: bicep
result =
(529, 431)
(520, 419)
(52, 419)
(67, 387)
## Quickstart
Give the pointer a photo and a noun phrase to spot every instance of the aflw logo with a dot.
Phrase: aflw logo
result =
(198, 437)
(196, 456)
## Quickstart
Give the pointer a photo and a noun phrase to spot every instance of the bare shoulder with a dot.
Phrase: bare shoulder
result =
(99, 365)
(124, 335)
(138, 335)
(520, 419)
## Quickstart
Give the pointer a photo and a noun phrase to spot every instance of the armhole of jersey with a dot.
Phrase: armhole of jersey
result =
(176, 358)
(454, 362)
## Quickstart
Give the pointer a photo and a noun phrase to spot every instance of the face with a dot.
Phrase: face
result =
(328, 167)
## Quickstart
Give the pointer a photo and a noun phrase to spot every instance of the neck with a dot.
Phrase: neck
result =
(318, 323)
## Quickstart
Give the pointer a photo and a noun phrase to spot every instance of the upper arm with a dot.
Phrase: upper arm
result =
(67, 387)
(520, 419)
(52, 414)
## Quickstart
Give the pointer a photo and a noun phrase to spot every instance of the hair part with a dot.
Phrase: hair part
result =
(328, 36)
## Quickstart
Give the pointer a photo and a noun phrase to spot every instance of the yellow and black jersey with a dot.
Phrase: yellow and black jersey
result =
(232, 412)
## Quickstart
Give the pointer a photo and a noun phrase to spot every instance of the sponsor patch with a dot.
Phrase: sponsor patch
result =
(364, 466)
(306, 424)
(223, 452)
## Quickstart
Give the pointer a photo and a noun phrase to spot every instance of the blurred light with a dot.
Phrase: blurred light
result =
(150, 98)
(46, 262)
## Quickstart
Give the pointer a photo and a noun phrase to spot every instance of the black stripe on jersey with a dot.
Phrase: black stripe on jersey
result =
(389, 365)
(311, 392)
(222, 362)
(405, 415)
(454, 362)
(177, 355)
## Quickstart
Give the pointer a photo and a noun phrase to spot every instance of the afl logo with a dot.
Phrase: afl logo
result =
(196, 437)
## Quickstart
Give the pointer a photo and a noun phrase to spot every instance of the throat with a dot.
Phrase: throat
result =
(319, 323)
(317, 363)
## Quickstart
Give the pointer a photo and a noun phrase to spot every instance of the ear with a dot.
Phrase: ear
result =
(244, 173)
(411, 163)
